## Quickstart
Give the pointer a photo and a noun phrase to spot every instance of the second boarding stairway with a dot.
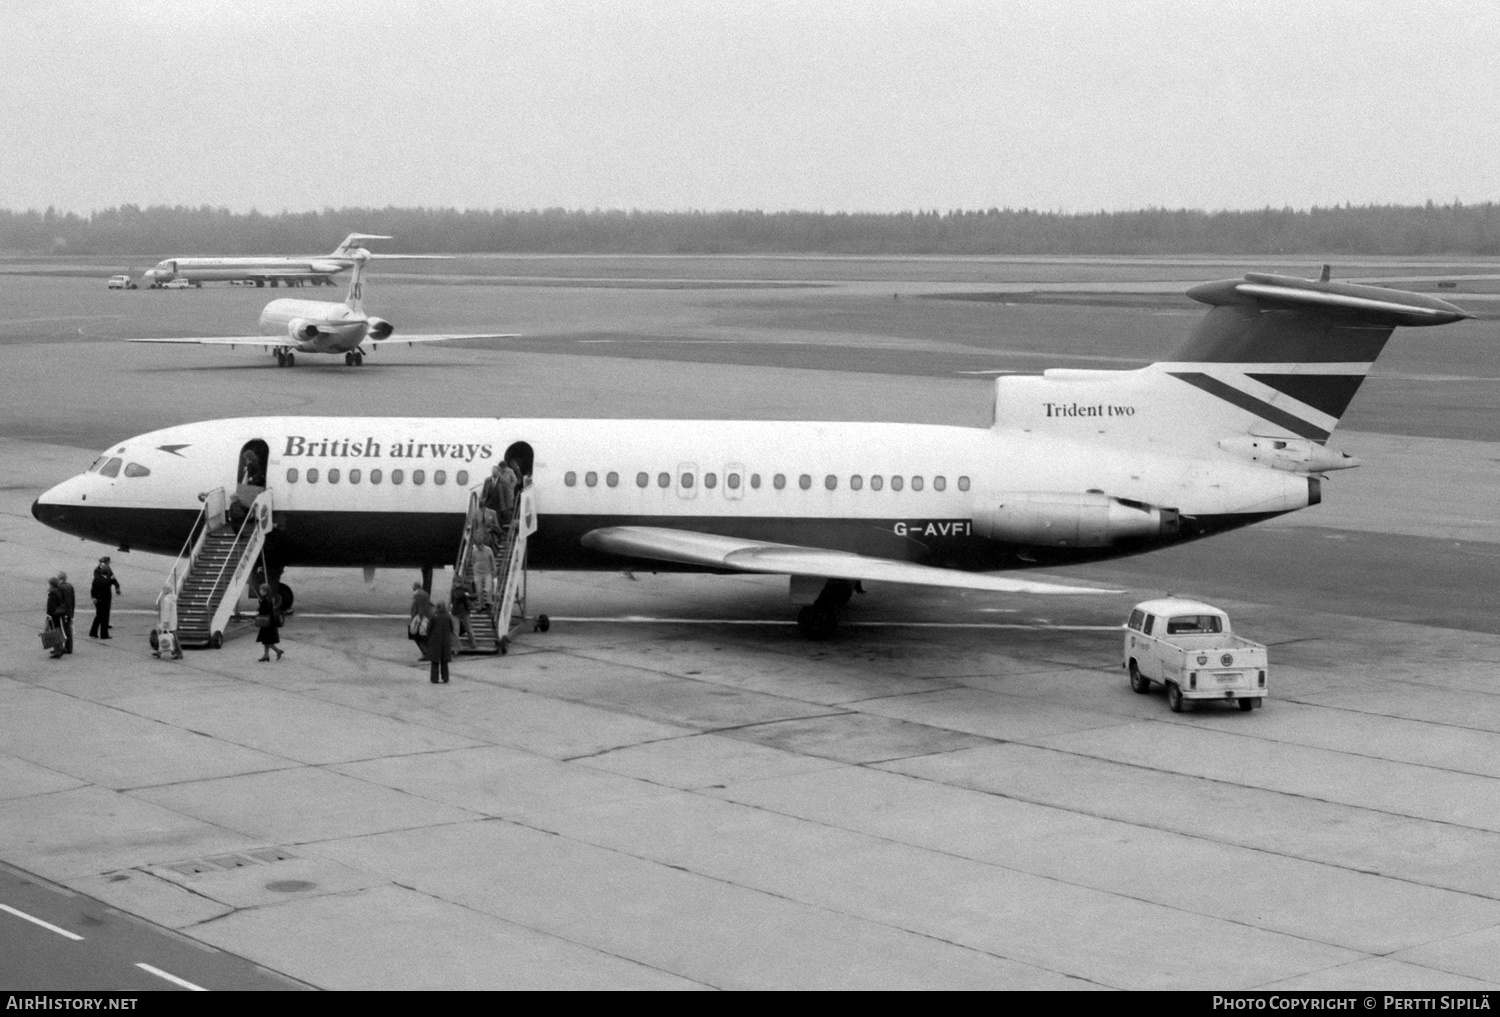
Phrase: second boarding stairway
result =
(492, 627)
(215, 565)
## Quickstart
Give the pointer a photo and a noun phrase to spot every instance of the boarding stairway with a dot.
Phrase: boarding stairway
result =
(216, 563)
(504, 613)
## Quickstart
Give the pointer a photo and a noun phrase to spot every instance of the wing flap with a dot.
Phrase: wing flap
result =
(709, 550)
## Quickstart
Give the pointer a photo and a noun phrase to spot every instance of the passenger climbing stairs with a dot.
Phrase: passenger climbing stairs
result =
(216, 563)
(504, 613)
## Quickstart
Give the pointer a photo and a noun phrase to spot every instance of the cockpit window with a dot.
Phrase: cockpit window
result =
(97, 463)
(136, 470)
(111, 468)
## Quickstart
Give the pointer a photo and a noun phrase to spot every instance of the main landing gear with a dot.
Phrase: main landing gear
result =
(285, 358)
(820, 619)
(354, 358)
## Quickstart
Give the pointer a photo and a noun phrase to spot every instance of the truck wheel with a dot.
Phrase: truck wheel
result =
(1139, 682)
(1247, 705)
(1174, 697)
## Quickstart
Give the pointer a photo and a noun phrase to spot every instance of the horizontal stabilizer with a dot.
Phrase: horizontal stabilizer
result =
(1279, 292)
(709, 550)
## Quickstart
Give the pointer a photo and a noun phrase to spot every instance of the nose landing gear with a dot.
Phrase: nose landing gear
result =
(285, 358)
(354, 358)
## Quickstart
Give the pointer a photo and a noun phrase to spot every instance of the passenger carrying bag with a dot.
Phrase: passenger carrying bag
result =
(52, 636)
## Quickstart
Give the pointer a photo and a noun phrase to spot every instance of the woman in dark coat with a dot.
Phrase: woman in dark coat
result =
(440, 640)
(421, 608)
(270, 631)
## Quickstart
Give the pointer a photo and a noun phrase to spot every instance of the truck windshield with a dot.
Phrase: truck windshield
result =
(1185, 623)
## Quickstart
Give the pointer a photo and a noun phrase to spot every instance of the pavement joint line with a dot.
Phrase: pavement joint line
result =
(37, 921)
(159, 973)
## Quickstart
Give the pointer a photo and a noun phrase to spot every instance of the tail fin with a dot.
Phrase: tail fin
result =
(355, 298)
(1275, 357)
(352, 243)
(1294, 351)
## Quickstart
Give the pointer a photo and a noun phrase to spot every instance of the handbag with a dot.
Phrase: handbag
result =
(52, 636)
(262, 621)
(416, 627)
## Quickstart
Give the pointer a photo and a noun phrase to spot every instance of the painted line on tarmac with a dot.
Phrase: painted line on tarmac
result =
(159, 973)
(37, 921)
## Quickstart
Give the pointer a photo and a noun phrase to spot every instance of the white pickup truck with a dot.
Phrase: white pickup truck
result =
(1188, 647)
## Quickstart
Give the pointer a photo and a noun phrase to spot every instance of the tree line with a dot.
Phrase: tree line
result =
(160, 230)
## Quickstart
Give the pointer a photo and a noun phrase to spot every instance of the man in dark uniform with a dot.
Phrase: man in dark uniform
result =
(55, 611)
(103, 590)
(69, 604)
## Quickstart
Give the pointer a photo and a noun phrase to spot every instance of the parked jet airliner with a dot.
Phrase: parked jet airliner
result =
(321, 326)
(317, 269)
(1077, 466)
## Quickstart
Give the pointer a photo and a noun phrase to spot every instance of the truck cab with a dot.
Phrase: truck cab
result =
(1190, 648)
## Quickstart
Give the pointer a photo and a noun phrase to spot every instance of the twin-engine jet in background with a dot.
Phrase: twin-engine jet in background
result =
(291, 326)
(312, 269)
(1077, 466)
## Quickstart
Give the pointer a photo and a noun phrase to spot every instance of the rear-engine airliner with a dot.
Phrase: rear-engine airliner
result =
(1077, 466)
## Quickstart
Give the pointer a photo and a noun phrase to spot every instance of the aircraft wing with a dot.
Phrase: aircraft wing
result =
(264, 341)
(735, 554)
(441, 338)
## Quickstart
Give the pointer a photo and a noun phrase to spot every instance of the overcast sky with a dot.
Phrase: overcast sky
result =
(813, 104)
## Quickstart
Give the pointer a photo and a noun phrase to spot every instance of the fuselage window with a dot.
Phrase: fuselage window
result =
(136, 470)
(710, 481)
(779, 481)
(462, 480)
(312, 475)
(374, 476)
(831, 482)
(856, 482)
(733, 480)
(111, 468)
(612, 479)
(353, 476)
(939, 483)
(333, 475)
(755, 481)
(397, 476)
(916, 483)
(876, 481)
(687, 480)
(804, 482)
(963, 483)
(440, 476)
(591, 478)
(663, 480)
(418, 476)
(570, 479)
(896, 482)
(291, 475)
(642, 479)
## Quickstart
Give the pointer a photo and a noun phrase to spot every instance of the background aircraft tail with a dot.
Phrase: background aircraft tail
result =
(1275, 357)
(353, 242)
(354, 299)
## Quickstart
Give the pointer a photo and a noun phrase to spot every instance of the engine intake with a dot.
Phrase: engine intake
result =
(380, 329)
(302, 330)
(1091, 519)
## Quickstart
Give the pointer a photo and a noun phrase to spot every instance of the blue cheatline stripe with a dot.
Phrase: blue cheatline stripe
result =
(1213, 386)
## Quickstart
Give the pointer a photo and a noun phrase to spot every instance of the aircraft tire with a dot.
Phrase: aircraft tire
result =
(291, 360)
(1174, 697)
(348, 360)
(816, 623)
(285, 593)
(359, 359)
(216, 640)
(1139, 682)
(543, 623)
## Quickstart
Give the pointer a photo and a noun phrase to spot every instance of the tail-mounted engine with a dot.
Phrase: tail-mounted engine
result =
(1297, 455)
(380, 329)
(1092, 519)
(301, 330)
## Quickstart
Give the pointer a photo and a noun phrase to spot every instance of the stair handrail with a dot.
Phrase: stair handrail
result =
(258, 508)
(213, 507)
(258, 523)
(523, 525)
